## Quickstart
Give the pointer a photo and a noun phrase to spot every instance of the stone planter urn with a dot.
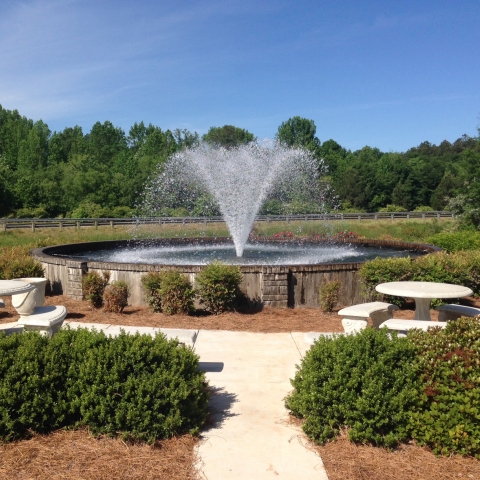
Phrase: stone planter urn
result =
(25, 303)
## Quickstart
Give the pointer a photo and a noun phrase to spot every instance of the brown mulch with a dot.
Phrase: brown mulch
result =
(268, 320)
(345, 460)
(78, 455)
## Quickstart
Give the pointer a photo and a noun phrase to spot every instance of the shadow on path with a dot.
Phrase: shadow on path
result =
(219, 407)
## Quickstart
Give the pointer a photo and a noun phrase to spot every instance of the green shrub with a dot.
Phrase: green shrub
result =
(115, 296)
(328, 295)
(423, 208)
(392, 208)
(32, 213)
(460, 268)
(151, 283)
(448, 362)
(455, 241)
(176, 293)
(136, 386)
(364, 382)
(218, 286)
(382, 270)
(27, 393)
(15, 262)
(93, 286)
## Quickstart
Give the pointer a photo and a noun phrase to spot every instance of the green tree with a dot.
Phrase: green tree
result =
(228, 136)
(298, 132)
(64, 144)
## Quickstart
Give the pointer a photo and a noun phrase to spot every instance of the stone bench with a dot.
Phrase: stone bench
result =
(452, 312)
(355, 317)
(405, 325)
(46, 320)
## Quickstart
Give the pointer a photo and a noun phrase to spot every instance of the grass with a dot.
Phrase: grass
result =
(416, 230)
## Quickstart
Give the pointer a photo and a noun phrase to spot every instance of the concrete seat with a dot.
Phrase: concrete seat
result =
(46, 320)
(405, 325)
(452, 312)
(355, 317)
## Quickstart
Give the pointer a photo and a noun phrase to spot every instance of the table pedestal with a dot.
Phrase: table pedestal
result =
(422, 309)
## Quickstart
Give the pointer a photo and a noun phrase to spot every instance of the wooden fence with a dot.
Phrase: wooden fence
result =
(61, 223)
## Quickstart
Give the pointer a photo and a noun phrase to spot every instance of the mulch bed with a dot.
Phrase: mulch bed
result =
(78, 455)
(345, 460)
(268, 320)
(75, 455)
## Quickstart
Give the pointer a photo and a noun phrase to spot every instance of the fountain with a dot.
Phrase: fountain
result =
(237, 182)
(239, 179)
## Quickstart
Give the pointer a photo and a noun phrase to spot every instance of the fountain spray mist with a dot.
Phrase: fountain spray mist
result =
(239, 179)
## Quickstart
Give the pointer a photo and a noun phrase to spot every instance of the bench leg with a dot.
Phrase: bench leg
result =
(353, 325)
(379, 317)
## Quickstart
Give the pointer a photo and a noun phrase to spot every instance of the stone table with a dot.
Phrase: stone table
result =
(423, 293)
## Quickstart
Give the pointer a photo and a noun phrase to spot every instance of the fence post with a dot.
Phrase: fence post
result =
(408, 216)
(60, 225)
(376, 216)
(111, 224)
(96, 224)
(33, 226)
(391, 216)
(423, 216)
(438, 216)
(78, 225)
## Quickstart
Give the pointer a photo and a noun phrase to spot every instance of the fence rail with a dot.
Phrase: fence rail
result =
(61, 223)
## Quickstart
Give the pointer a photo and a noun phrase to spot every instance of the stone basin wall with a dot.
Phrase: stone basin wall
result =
(278, 286)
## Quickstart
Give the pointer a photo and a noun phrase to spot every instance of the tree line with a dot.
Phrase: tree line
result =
(102, 172)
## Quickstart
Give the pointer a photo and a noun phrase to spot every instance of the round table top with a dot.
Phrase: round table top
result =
(14, 287)
(424, 290)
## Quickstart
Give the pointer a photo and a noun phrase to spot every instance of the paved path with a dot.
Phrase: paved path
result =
(250, 437)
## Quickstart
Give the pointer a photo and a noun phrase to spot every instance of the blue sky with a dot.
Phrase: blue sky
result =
(387, 74)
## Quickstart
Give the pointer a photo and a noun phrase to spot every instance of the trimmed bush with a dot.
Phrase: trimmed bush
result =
(364, 382)
(151, 283)
(16, 262)
(218, 286)
(460, 268)
(328, 295)
(93, 286)
(137, 386)
(115, 296)
(176, 293)
(455, 241)
(425, 387)
(447, 419)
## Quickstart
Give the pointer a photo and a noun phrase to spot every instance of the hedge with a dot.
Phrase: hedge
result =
(460, 268)
(136, 386)
(385, 390)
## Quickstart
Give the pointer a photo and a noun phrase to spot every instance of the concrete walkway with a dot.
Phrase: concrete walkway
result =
(250, 436)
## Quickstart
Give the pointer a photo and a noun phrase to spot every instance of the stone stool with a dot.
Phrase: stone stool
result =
(46, 320)
(355, 317)
(404, 325)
